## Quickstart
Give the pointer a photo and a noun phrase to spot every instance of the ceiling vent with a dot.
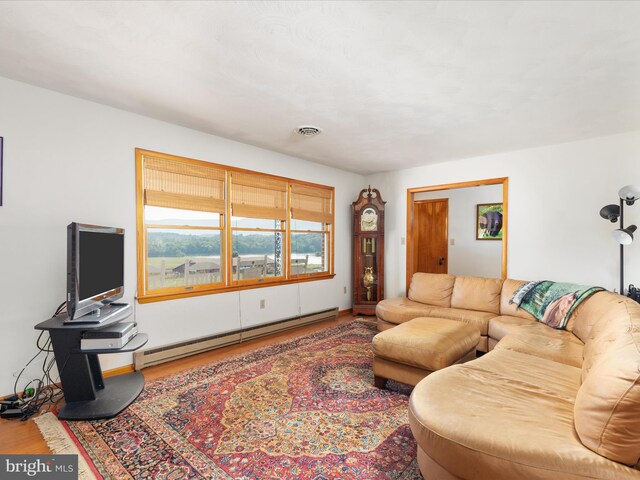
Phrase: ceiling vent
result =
(308, 131)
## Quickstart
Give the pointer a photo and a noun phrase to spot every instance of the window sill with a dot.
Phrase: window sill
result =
(160, 297)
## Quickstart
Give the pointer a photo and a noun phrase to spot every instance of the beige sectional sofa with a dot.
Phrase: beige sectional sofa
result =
(543, 403)
(483, 302)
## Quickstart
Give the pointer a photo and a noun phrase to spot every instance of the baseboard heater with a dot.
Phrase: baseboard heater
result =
(166, 353)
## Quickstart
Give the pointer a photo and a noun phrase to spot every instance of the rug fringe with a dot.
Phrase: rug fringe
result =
(60, 442)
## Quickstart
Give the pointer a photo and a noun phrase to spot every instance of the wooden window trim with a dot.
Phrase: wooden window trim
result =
(247, 229)
(150, 298)
(226, 229)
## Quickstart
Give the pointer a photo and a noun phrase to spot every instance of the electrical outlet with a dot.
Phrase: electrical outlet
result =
(402, 240)
(345, 289)
(261, 303)
(452, 241)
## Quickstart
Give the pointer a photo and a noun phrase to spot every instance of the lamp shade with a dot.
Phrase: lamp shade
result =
(629, 194)
(610, 212)
(624, 236)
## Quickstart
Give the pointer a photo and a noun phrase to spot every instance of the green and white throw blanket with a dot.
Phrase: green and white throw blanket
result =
(551, 303)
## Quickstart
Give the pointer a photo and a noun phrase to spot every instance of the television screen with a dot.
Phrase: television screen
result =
(100, 263)
(95, 268)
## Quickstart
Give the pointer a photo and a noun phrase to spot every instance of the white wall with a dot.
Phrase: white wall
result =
(67, 159)
(555, 194)
(71, 160)
(468, 256)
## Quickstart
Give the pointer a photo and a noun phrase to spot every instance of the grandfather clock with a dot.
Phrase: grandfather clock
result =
(368, 251)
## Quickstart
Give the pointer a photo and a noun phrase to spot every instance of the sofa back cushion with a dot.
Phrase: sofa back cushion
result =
(506, 308)
(477, 293)
(431, 288)
(597, 306)
(607, 406)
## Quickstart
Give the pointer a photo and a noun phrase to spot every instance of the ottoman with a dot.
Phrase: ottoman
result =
(412, 350)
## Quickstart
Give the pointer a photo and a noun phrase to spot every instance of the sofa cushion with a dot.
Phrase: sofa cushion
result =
(597, 306)
(477, 293)
(607, 406)
(400, 310)
(427, 343)
(480, 320)
(541, 341)
(506, 415)
(504, 324)
(614, 320)
(506, 308)
(432, 288)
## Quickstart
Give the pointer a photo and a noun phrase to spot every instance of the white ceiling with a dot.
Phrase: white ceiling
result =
(392, 84)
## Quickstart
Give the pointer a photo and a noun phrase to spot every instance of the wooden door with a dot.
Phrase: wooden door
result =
(431, 237)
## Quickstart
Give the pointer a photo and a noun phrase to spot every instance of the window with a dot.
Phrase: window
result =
(183, 225)
(258, 219)
(311, 220)
(206, 228)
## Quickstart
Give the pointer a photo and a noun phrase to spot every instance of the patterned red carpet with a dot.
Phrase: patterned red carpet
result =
(303, 409)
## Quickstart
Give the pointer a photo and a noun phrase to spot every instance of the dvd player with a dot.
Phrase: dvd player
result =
(113, 336)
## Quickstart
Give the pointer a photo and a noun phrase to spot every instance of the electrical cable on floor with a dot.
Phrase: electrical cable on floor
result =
(40, 391)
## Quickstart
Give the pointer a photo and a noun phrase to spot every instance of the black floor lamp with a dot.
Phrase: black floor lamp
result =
(622, 235)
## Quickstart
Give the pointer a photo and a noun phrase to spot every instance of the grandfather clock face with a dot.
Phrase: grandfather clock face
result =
(369, 220)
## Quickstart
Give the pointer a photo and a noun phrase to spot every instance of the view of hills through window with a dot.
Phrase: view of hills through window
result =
(178, 243)
(169, 249)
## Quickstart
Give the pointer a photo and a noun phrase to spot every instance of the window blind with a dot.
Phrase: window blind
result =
(183, 185)
(311, 203)
(258, 196)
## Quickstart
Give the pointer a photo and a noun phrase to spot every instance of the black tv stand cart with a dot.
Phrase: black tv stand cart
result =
(87, 394)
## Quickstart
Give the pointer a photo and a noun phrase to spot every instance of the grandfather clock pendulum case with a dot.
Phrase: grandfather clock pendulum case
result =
(368, 251)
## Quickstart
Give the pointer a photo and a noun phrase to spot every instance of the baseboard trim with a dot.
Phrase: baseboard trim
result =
(166, 353)
(118, 371)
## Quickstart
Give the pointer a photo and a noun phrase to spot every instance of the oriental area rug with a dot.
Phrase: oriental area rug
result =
(302, 409)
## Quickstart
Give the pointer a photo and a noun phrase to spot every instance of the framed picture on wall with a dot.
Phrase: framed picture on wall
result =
(489, 221)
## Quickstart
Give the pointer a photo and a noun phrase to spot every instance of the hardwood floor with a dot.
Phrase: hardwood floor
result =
(24, 437)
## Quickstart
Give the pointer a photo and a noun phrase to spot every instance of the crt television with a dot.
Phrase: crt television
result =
(95, 267)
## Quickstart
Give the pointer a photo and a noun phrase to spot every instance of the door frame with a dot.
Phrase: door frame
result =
(504, 181)
(415, 260)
